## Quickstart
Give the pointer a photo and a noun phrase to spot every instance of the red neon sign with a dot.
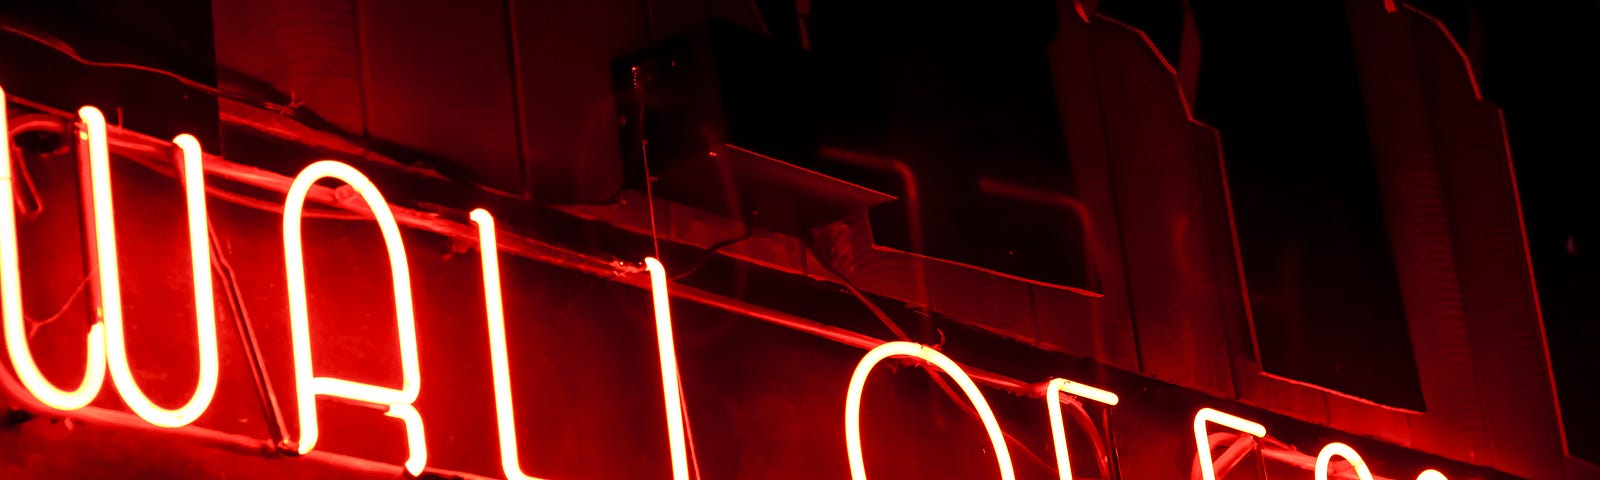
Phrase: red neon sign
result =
(16, 327)
(1202, 441)
(108, 277)
(1431, 474)
(671, 389)
(106, 349)
(858, 382)
(494, 308)
(1341, 450)
(395, 403)
(1058, 429)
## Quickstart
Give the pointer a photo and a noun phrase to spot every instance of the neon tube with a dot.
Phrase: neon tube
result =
(1431, 474)
(499, 357)
(110, 284)
(416, 442)
(16, 328)
(1349, 455)
(1208, 415)
(1058, 428)
(671, 390)
(395, 403)
(858, 381)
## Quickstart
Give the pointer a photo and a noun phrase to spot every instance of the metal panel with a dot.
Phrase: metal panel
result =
(1508, 345)
(1419, 225)
(306, 51)
(1154, 163)
(438, 82)
(569, 128)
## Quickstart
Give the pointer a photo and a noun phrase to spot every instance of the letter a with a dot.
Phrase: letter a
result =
(395, 403)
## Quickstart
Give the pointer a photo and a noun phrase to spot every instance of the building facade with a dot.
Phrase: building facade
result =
(796, 239)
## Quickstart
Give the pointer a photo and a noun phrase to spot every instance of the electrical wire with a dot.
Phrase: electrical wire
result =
(711, 251)
(966, 406)
(34, 325)
(644, 159)
(28, 212)
(849, 286)
(29, 215)
(655, 241)
(688, 434)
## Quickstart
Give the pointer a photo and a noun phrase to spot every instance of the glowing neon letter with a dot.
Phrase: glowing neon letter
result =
(1201, 438)
(1058, 428)
(858, 381)
(110, 284)
(671, 391)
(16, 328)
(1349, 455)
(396, 403)
(1431, 474)
(505, 418)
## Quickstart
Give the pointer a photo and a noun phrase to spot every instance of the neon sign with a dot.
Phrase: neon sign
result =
(107, 349)
(1202, 439)
(16, 327)
(500, 364)
(110, 286)
(858, 382)
(1058, 429)
(671, 389)
(1341, 450)
(395, 403)
(1431, 474)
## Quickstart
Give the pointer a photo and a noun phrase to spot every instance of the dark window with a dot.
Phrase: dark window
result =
(1321, 276)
